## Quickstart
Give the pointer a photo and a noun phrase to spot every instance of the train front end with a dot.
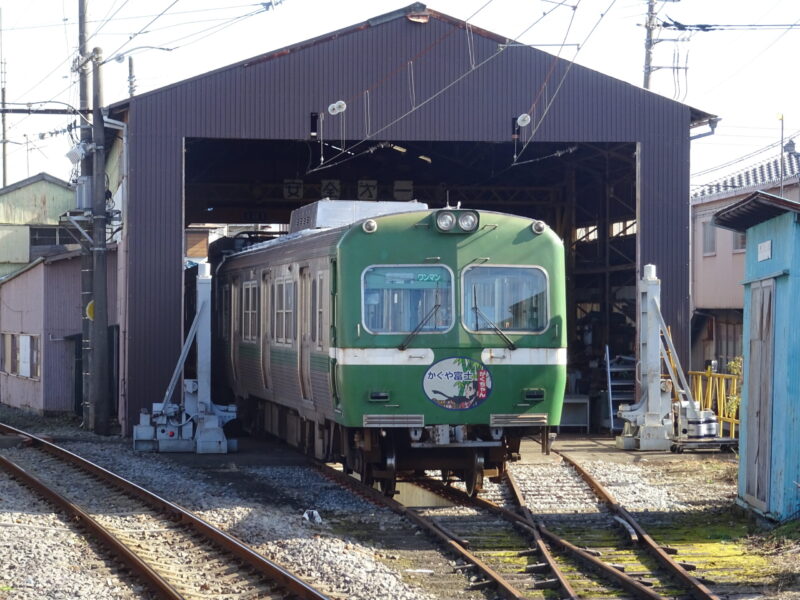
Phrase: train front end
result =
(450, 341)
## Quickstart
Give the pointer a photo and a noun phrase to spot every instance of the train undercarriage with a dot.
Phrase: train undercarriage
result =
(385, 455)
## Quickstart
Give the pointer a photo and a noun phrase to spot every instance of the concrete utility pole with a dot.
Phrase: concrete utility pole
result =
(87, 169)
(3, 101)
(99, 387)
(649, 26)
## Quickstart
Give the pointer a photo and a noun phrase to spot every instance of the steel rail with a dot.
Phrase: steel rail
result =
(261, 564)
(437, 531)
(698, 590)
(131, 560)
(623, 579)
(544, 551)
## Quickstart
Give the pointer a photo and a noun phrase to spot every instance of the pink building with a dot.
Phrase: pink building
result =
(717, 294)
(40, 324)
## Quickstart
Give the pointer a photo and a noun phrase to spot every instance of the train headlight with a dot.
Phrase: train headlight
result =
(445, 220)
(468, 221)
(538, 227)
(370, 226)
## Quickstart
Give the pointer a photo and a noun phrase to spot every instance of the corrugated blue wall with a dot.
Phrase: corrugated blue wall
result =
(784, 266)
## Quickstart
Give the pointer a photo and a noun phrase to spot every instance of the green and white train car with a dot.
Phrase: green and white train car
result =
(400, 342)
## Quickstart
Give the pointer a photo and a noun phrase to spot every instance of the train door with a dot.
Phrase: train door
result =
(304, 323)
(759, 394)
(267, 327)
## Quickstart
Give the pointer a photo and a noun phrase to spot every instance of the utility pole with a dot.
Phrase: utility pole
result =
(649, 26)
(84, 185)
(3, 101)
(131, 77)
(99, 387)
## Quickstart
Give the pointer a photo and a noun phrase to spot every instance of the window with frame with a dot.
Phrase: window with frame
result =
(739, 241)
(506, 298)
(709, 238)
(21, 355)
(10, 353)
(285, 293)
(250, 311)
(402, 299)
(313, 311)
(320, 312)
(49, 236)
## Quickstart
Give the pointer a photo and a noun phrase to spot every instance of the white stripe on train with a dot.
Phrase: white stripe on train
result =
(425, 356)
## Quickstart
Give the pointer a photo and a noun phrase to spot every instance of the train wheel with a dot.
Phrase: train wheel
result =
(388, 482)
(473, 477)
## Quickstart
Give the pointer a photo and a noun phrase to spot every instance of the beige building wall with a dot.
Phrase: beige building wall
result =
(717, 275)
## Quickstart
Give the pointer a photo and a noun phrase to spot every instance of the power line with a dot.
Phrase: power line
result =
(678, 26)
(66, 22)
(143, 29)
(571, 63)
(744, 158)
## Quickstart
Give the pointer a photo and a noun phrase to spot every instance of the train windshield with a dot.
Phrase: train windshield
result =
(402, 299)
(505, 299)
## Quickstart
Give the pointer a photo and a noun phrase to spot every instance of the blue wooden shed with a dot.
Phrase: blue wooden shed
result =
(769, 463)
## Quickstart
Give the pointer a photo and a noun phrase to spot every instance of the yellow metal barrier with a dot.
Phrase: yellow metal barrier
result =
(720, 393)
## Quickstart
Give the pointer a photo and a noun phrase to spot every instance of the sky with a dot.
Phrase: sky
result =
(743, 75)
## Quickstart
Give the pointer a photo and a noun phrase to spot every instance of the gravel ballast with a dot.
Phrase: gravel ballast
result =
(352, 553)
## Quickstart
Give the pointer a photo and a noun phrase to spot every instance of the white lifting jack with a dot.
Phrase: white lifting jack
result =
(662, 419)
(194, 425)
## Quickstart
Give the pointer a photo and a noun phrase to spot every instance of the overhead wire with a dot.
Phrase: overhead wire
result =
(107, 19)
(71, 86)
(403, 64)
(143, 29)
(745, 157)
(176, 13)
(334, 160)
(570, 64)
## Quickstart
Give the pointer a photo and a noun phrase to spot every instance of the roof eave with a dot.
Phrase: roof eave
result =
(756, 208)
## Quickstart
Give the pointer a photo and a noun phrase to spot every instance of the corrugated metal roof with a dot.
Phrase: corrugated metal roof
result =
(752, 210)
(417, 12)
(33, 179)
(763, 175)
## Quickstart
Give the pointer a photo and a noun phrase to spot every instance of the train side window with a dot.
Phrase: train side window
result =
(279, 313)
(284, 313)
(313, 311)
(320, 313)
(250, 311)
(272, 313)
(293, 313)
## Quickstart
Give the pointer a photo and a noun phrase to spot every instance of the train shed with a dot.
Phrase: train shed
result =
(413, 104)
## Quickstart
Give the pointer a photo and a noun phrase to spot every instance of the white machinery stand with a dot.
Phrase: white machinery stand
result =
(655, 422)
(196, 424)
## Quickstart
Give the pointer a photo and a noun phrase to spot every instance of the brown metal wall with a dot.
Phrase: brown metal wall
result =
(271, 98)
(62, 317)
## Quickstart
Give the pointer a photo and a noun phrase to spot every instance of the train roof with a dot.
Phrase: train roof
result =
(327, 213)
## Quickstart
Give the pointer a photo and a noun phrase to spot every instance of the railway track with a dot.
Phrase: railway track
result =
(515, 552)
(610, 555)
(176, 554)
